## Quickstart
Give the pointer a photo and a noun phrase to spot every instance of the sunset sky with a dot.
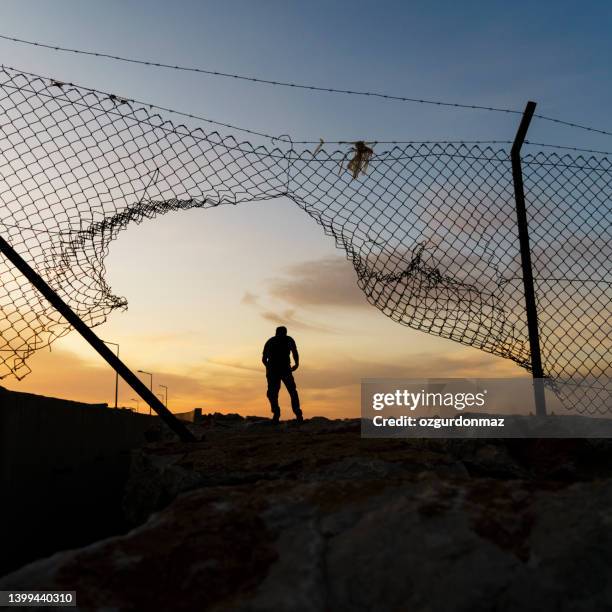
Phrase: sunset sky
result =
(206, 288)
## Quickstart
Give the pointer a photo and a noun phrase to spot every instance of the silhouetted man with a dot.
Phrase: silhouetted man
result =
(276, 358)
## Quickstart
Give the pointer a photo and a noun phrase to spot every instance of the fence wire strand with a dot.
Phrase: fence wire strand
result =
(430, 229)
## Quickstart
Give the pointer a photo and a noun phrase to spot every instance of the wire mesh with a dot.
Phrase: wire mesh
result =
(430, 229)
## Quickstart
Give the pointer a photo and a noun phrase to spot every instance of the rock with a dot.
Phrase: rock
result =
(250, 452)
(198, 552)
(316, 518)
(422, 544)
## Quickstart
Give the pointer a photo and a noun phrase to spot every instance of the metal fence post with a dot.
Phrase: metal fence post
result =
(130, 378)
(523, 231)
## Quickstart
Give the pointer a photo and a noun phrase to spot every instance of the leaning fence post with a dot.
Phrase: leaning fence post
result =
(130, 378)
(523, 231)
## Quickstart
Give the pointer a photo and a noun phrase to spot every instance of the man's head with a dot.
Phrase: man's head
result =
(281, 331)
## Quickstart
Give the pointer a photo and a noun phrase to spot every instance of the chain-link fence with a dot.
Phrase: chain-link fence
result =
(430, 228)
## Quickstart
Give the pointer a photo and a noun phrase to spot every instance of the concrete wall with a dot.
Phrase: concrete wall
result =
(63, 466)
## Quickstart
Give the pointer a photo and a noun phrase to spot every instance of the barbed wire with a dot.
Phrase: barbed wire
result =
(574, 125)
(124, 99)
(294, 85)
(170, 128)
(569, 148)
(371, 94)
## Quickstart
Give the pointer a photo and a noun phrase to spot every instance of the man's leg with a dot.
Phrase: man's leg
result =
(293, 394)
(274, 382)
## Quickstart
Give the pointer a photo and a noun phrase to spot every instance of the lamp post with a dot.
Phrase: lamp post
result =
(116, 373)
(135, 399)
(150, 383)
(166, 390)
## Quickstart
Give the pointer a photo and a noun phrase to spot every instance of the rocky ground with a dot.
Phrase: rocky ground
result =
(256, 517)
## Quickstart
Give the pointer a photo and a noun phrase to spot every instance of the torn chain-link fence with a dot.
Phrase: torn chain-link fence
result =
(430, 228)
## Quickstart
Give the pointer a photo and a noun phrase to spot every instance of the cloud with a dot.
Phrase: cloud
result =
(67, 375)
(250, 299)
(175, 338)
(330, 281)
(288, 319)
(346, 372)
(64, 374)
(234, 365)
(328, 385)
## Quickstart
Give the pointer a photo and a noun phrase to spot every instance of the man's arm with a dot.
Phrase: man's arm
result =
(265, 355)
(294, 352)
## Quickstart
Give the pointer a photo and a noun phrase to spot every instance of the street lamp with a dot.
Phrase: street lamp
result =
(135, 399)
(166, 390)
(116, 373)
(150, 383)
